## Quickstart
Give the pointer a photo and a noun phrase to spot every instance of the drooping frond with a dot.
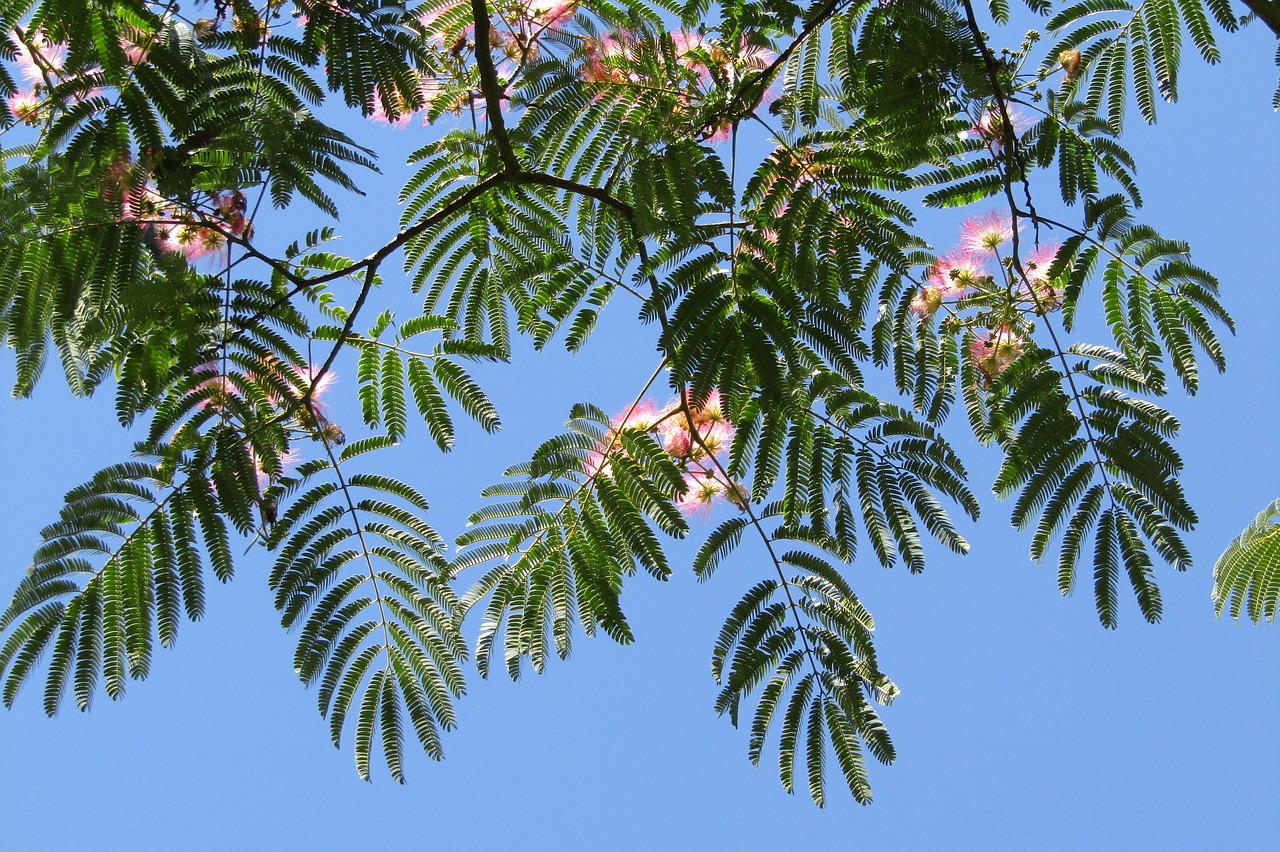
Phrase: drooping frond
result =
(364, 578)
(1246, 577)
(804, 642)
(573, 522)
(116, 572)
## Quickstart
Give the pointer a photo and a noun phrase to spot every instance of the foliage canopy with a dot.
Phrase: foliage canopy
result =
(746, 175)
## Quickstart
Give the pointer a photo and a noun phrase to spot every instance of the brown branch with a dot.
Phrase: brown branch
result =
(1267, 12)
(492, 91)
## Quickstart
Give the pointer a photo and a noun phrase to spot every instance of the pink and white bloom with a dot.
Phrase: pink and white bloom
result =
(550, 13)
(286, 461)
(676, 439)
(25, 106)
(1038, 289)
(986, 233)
(596, 463)
(994, 351)
(990, 127)
(309, 377)
(716, 438)
(956, 272)
(40, 57)
(711, 410)
(701, 490)
(220, 387)
(378, 112)
(926, 302)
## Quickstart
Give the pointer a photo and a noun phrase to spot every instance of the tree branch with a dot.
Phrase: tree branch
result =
(1267, 12)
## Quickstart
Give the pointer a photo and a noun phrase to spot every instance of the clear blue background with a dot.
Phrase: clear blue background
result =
(1022, 724)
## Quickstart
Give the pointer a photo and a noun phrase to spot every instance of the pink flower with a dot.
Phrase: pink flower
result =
(25, 106)
(994, 351)
(144, 204)
(716, 438)
(287, 460)
(219, 386)
(1038, 289)
(550, 13)
(926, 302)
(607, 59)
(194, 241)
(755, 58)
(378, 113)
(134, 54)
(596, 463)
(719, 134)
(319, 387)
(676, 439)
(701, 490)
(990, 127)
(986, 232)
(711, 410)
(440, 36)
(39, 57)
(957, 271)
(641, 416)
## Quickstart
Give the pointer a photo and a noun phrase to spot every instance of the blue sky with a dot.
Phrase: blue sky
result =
(1022, 723)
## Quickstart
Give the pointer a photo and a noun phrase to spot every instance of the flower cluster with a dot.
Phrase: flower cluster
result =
(614, 59)
(982, 273)
(293, 392)
(993, 351)
(40, 61)
(42, 65)
(990, 127)
(429, 89)
(697, 443)
(178, 231)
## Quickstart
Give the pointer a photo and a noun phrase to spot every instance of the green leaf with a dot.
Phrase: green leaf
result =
(1246, 577)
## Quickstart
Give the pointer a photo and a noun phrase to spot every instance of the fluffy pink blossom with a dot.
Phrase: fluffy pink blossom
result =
(606, 58)
(956, 272)
(219, 386)
(25, 106)
(286, 461)
(676, 439)
(378, 113)
(697, 54)
(550, 13)
(716, 438)
(719, 134)
(986, 233)
(994, 351)
(41, 56)
(755, 58)
(711, 410)
(1038, 289)
(190, 239)
(441, 37)
(701, 490)
(143, 204)
(642, 416)
(596, 463)
(134, 53)
(319, 387)
(990, 127)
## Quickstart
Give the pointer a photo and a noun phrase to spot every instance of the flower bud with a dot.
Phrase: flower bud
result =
(1070, 62)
